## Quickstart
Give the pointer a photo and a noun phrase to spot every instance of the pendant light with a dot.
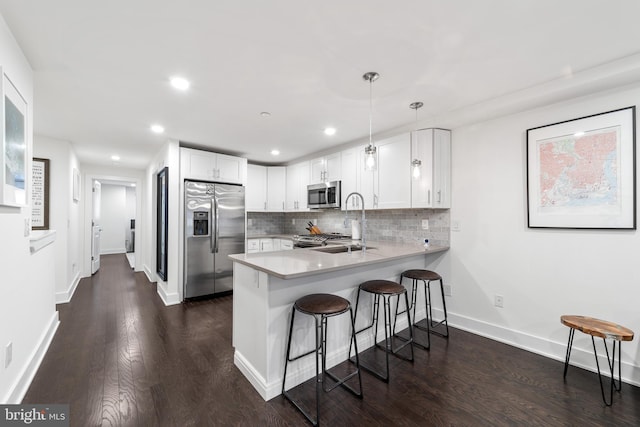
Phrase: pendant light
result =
(416, 163)
(370, 150)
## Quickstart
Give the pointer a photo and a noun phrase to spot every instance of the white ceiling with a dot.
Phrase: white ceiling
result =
(102, 68)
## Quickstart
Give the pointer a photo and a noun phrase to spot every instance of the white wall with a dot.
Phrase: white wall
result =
(28, 318)
(542, 274)
(63, 212)
(169, 290)
(113, 216)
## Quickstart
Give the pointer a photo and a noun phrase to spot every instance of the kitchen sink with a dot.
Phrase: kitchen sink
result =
(337, 249)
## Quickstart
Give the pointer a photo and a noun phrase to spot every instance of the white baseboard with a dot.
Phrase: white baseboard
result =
(65, 297)
(19, 389)
(147, 272)
(266, 391)
(581, 356)
(166, 297)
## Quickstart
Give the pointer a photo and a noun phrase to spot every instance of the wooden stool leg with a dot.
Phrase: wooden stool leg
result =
(568, 355)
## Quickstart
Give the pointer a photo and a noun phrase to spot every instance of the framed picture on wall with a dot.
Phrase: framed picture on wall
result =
(40, 194)
(581, 172)
(13, 159)
(162, 222)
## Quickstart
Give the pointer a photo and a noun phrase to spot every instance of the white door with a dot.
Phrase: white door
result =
(95, 228)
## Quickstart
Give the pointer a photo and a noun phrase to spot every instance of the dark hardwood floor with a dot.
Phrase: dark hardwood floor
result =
(121, 358)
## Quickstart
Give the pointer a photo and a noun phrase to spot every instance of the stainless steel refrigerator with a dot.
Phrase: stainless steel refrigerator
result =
(213, 229)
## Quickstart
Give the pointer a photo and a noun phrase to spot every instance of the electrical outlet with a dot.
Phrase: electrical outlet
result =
(27, 227)
(293, 221)
(455, 225)
(315, 221)
(8, 354)
(425, 224)
(249, 222)
(499, 301)
(447, 290)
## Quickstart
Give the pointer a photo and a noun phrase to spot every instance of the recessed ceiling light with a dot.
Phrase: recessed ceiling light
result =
(115, 157)
(132, 184)
(180, 83)
(275, 152)
(265, 114)
(330, 131)
(157, 129)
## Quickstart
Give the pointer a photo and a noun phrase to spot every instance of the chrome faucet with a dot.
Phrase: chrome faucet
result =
(362, 223)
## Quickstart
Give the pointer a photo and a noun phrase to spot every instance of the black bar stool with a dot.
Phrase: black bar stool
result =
(385, 289)
(321, 307)
(426, 276)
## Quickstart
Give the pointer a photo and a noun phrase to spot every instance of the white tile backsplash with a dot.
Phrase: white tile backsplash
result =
(389, 225)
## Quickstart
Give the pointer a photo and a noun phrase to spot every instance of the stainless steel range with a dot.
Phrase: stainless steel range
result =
(315, 240)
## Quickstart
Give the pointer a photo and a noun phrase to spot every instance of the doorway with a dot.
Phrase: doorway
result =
(112, 217)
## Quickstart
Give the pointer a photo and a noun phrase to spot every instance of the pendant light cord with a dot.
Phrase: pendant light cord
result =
(370, 112)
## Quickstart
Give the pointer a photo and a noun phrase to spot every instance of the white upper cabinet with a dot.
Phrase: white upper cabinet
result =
(349, 178)
(276, 188)
(297, 181)
(325, 169)
(393, 174)
(208, 166)
(256, 191)
(433, 188)
(265, 188)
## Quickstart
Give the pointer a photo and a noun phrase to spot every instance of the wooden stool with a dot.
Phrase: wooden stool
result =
(426, 277)
(321, 307)
(385, 289)
(604, 330)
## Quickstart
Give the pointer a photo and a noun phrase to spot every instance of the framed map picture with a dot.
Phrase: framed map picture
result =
(581, 172)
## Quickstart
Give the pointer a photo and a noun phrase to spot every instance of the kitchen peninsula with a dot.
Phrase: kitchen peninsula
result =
(267, 284)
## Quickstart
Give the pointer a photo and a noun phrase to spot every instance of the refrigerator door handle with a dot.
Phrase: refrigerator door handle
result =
(214, 237)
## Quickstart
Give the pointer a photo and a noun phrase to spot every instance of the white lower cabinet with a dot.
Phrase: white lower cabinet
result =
(268, 244)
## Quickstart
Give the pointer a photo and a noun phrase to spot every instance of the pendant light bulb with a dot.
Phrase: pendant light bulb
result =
(416, 163)
(370, 150)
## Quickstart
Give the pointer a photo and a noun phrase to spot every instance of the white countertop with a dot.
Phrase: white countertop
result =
(306, 262)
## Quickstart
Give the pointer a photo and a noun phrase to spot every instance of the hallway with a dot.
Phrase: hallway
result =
(121, 358)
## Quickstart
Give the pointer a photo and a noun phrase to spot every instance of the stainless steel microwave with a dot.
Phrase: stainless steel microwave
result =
(324, 196)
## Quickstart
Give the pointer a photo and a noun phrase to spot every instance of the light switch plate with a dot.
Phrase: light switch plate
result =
(455, 225)
(425, 224)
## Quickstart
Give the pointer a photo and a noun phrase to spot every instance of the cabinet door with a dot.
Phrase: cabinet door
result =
(349, 176)
(317, 170)
(266, 245)
(325, 169)
(231, 169)
(197, 164)
(296, 188)
(422, 150)
(276, 188)
(394, 173)
(256, 190)
(253, 246)
(442, 168)
(333, 167)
